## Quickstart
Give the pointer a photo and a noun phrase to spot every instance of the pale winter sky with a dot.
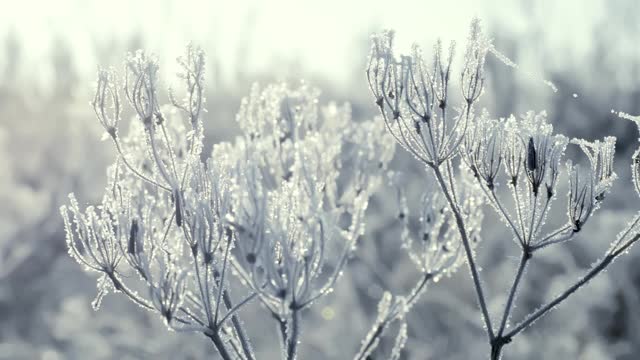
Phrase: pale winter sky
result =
(325, 36)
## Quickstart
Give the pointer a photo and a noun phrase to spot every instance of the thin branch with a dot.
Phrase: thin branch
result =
(135, 171)
(219, 344)
(606, 261)
(494, 199)
(293, 332)
(526, 255)
(468, 252)
(235, 321)
(237, 307)
(130, 294)
(413, 297)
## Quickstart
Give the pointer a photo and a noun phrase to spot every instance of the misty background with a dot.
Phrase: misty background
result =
(50, 146)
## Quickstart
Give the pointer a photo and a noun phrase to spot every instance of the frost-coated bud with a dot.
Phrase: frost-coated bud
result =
(513, 150)
(531, 155)
(635, 170)
(106, 102)
(412, 95)
(135, 245)
(475, 55)
(141, 85)
(581, 199)
(168, 294)
(484, 149)
(600, 154)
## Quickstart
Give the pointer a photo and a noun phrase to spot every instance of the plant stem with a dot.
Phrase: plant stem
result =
(242, 335)
(418, 290)
(135, 171)
(219, 344)
(496, 348)
(468, 252)
(376, 334)
(282, 326)
(500, 341)
(380, 328)
(560, 298)
(293, 332)
(526, 255)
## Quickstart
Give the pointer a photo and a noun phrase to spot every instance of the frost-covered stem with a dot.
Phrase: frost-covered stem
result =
(361, 355)
(552, 239)
(118, 285)
(496, 348)
(236, 307)
(134, 170)
(500, 341)
(519, 213)
(533, 220)
(235, 321)
(624, 235)
(542, 216)
(606, 261)
(418, 290)
(168, 142)
(493, 196)
(337, 272)
(468, 252)
(156, 156)
(219, 344)
(234, 344)
(526, 256)
(207, 270)
(293, 332)
(282, 327)
(379, 330)
(222, 279)
(203, 294)
(451, 180)
(569, 233)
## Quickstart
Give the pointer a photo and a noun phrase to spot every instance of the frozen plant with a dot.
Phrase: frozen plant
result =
(290, 202)
(278, 211)
(436, 252)
(523, 155)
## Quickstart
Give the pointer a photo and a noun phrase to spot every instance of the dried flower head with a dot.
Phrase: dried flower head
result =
(288, 218)
(413, 97)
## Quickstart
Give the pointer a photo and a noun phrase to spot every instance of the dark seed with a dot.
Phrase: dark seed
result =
(531, 155)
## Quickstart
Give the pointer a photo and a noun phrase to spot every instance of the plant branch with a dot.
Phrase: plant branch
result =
(526, 255)
(282, 327)
(606, 261)
(135, 171)
(235, 321)
(380, 328)
(468, 252)
(219, 344)
(293, 332)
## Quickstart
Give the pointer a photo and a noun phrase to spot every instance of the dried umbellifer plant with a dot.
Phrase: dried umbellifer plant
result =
(266, 213)
(173, 231)
(521, 154)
